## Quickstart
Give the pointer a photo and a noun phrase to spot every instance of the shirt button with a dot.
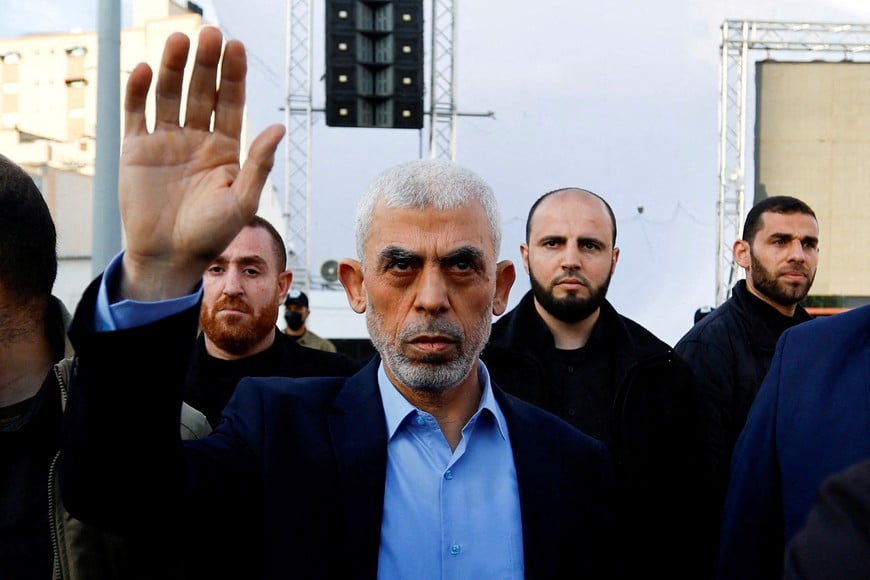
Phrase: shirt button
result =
(448, 474)
(570, 369)
(572, 411)
(455, 549)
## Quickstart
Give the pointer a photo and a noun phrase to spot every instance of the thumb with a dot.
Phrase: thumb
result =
(261, 159)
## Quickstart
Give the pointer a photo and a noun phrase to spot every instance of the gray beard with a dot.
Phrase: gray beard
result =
(435, 374)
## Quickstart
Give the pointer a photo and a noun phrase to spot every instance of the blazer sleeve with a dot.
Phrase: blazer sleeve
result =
(121, 442)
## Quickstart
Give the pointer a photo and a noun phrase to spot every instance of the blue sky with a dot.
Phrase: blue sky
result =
(619, 97)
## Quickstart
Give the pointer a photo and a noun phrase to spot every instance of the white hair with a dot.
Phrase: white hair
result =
(426, 183)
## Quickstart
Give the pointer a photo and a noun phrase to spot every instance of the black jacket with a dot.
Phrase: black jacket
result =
(654, 427)
(730, 351)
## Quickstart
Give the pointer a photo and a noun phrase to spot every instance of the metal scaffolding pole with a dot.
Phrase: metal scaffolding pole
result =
(442, 110)
(297, 119)
(106, 228)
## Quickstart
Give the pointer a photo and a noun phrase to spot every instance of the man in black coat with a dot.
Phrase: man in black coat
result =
(731, 348)
(566, 349)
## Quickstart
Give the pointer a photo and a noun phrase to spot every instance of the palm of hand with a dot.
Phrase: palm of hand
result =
(176, 193)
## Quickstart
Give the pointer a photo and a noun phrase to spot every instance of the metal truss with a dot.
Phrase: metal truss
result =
(802, 41)
(297, 119)
(442, 111)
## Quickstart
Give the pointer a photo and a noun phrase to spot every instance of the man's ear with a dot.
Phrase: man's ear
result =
(524, 254)
(350, 274)
(505, 275)
(742, 253)
(284, 280)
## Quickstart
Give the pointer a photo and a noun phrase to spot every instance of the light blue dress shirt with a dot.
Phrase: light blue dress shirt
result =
(449, 515)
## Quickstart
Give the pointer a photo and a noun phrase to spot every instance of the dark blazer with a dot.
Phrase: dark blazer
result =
(297, 464)
(811, 419)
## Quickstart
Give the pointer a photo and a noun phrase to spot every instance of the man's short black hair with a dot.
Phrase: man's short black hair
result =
(777, 204)
(280, 250)
(28, 239)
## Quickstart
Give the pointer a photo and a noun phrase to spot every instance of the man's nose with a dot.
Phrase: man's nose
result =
(796, 251)
(432, 293)
(571, 258)
(233, 282)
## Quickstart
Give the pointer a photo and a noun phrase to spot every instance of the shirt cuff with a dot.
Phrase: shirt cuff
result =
(132, 313)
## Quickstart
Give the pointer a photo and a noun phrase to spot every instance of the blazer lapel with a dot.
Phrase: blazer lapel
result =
(540, 488)
(359, 435)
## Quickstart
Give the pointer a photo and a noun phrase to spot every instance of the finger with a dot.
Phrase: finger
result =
(170, 79)
(261, 157)
(229, 110)
(135, 99)
(202, 92)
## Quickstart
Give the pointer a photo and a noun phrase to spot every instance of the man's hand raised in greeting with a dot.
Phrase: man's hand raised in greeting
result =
(182, 194)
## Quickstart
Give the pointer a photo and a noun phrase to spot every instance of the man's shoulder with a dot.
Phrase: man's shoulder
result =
(630, 335)
(519, 331)
(516, 315)
(275, 391)
(310, 395)
(304, 361)
(717, 327)
(843, 328)
(312, 339)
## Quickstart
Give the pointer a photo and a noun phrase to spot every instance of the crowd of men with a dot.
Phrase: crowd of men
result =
(172, 430)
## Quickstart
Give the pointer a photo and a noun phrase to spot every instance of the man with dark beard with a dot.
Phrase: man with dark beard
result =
(242, 290)
(566, 349)
(731, 348)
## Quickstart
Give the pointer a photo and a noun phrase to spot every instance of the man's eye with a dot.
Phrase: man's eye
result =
(215, 270)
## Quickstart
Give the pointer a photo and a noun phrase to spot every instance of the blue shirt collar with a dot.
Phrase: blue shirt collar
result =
(397, 408)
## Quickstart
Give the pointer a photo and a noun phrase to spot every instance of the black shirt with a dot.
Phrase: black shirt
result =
(583, 385)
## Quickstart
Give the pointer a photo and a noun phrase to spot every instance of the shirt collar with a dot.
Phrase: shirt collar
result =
(397, 408)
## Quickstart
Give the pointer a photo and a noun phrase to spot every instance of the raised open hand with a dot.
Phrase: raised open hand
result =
(182, 193)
